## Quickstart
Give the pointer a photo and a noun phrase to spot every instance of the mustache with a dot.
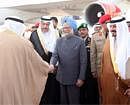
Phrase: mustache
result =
(44, 28)
(82, 33)
(113, 30)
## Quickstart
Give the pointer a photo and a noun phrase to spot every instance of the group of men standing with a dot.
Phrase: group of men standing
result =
(71, 54)
(66, 68)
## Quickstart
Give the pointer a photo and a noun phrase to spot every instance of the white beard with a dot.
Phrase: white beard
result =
(66, 34)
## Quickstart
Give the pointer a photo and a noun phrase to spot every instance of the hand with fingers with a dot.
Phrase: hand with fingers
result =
(79, 83)
(52, 68)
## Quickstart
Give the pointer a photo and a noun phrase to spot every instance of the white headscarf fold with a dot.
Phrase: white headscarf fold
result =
(122, 46)
(48, 38)
(17, 27)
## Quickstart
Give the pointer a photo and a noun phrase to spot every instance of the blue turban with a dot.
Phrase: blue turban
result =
(70, 21)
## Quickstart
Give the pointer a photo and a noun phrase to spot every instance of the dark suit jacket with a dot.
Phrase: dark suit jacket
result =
(71, 54)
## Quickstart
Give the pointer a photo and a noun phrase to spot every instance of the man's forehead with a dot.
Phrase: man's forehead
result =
(83, 29)
(112, 24)
(45, 22)
(128, 22)
(66, 25)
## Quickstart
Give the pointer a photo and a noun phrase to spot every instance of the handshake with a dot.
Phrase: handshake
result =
(52, 68)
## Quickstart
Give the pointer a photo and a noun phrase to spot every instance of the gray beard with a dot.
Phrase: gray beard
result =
(67, 34)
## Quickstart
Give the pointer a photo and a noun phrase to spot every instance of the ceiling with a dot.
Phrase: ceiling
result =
(32, 13)
(46, 8)
(72, 7)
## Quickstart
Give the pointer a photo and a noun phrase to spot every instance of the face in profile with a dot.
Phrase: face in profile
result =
(128, 23)
(113, 30)
(55, 24)
(45, 26)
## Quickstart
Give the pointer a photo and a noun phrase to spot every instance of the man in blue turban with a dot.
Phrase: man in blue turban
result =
(71, 55)
(72, 23)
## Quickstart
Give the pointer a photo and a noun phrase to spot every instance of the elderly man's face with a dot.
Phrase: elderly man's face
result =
(66, 28)
(45, 26)
(83, 32)
(97, 28)
(113, 30)
(55, 24)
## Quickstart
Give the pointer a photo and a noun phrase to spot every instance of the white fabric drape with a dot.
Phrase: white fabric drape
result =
(17, 27)
(122, 46)
(49, 37)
